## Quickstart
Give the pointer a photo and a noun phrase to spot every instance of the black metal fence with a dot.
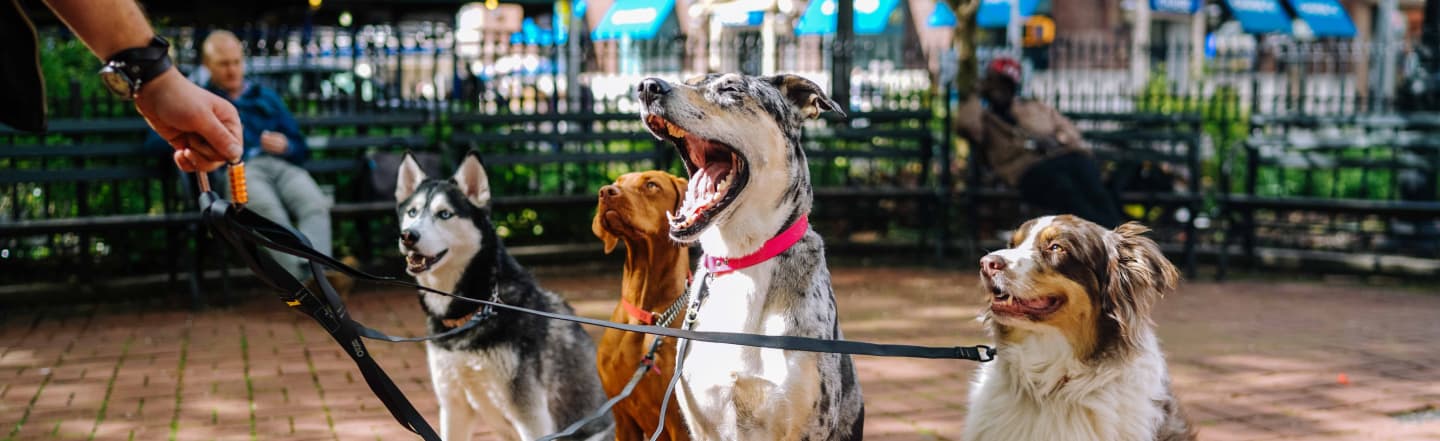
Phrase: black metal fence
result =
(557, 121)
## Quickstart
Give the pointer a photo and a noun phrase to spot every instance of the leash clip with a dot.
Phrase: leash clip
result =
(985, 353)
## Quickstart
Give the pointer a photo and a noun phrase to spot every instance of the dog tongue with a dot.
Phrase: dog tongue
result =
(1036, 303)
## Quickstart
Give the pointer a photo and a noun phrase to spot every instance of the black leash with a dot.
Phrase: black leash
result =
(484, 313)
(680, 349)
(646, 364)
(247, 232)
(329, 312)
(981, 353)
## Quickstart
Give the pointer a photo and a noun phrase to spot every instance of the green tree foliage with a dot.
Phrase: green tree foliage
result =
(69, 71)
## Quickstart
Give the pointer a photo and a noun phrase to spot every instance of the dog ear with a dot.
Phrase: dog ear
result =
(804, 94)
(471, 179)
(1139, 274)
(680, 185)
(408, 178)
(600, 231)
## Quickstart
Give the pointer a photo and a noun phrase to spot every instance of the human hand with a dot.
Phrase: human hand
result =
(203, 128)
(274, 143)
(1046, 144)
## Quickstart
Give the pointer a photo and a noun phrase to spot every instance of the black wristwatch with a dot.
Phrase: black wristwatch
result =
(127, 71)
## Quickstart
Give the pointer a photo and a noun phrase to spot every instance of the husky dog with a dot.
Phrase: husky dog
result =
(739, 138)
(527, 377)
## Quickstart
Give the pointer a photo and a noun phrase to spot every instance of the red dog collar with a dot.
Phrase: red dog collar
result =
(645, 317)
(717, 266)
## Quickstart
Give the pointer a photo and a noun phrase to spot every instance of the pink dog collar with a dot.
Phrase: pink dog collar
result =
(719, 265)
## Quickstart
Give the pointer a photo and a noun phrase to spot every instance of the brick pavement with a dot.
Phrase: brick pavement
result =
(1252, 360)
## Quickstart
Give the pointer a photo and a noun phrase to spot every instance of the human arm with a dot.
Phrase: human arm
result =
(1066, 135)
(204, 129)
(967, 119)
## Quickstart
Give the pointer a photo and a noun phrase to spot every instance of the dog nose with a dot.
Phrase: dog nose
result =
(992, 264)
(652, 89)
(609, 191)
(409, 237)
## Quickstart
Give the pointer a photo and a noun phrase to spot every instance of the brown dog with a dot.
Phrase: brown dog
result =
(633, 210)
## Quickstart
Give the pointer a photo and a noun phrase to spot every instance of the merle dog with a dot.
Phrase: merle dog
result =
(739, 137)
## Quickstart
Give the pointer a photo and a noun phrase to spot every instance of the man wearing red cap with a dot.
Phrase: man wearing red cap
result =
(1034, 148)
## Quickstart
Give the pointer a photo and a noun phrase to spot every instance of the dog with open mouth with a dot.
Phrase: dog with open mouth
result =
(764, 271)
(523, 375)
(1078, 357)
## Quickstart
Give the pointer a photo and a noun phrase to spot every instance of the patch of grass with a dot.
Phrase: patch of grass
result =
(31, 406)
(315, 379)
(110, 387)
(180, 381)
(249, 381)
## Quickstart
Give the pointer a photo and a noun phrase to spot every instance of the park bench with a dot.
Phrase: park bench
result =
(354, 156)
(1330, 191)
(93, 191)
(1123, 143)
(874, 172)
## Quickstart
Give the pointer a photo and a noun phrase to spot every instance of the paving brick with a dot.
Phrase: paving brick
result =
(1247, 366)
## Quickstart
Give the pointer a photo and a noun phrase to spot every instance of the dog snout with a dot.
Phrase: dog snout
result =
(409, 237)
(992, 265)
(609, 191)
(652, 89)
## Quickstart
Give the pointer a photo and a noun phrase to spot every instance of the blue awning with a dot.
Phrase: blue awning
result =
(736, 15)
(1325, 17)
(871, 17)
(1186, 7)
(942, 17)
(530, 33)
(1260, 16)
(996, 13)
(636, 19)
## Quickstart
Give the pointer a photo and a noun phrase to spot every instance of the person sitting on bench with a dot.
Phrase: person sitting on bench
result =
(280, 189)
(1034, 148)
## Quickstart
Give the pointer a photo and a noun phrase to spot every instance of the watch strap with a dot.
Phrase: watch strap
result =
(143, 64)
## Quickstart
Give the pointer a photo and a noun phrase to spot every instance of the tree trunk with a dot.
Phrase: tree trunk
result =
(968, 73)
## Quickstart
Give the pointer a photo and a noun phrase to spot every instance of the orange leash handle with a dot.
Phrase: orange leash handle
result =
(238, 193)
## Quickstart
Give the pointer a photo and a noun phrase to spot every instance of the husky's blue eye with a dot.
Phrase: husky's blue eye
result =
(445, 214)
(412, 213)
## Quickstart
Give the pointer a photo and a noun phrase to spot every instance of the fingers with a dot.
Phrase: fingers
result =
(190, 162)
(193, 153)
(183, 162)
(223, 143)
(200, 148)
(230, 118)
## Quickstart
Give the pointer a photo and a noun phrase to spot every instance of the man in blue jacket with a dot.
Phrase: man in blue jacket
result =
(280, 189)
